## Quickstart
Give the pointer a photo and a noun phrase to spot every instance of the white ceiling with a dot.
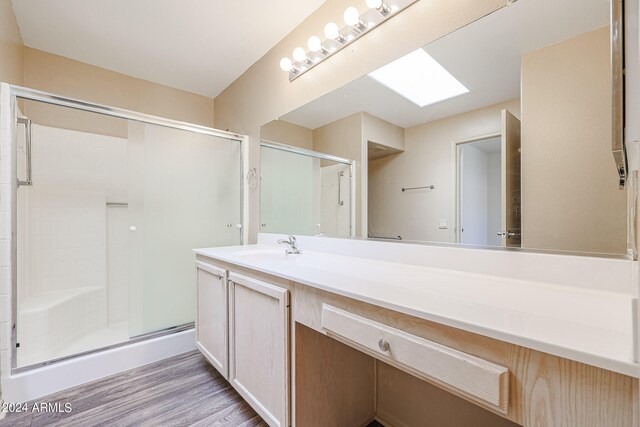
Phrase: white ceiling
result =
(200, 46)
(483, 56)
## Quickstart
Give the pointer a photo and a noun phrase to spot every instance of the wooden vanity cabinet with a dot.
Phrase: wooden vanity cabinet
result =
(259, 346)
(212, 314)
(303, 357)
(242, 328)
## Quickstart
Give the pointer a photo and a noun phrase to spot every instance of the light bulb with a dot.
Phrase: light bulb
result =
(331, 31)
(299, 54)
(351, 16)
(374, 4)
(314, 44)
(286, 64)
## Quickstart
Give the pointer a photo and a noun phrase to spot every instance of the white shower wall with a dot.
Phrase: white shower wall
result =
(117, 265)
(72, 247)
(65, 240)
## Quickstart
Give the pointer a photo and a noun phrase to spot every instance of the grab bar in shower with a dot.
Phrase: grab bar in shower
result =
(117, 204)
(429, 187)
(371, 236)
(340, 201)
(27, 133)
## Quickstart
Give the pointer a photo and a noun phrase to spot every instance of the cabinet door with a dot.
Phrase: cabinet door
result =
(259, 346)
(212, 332)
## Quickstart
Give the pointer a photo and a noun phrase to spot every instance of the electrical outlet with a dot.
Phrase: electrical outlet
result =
(444, 224)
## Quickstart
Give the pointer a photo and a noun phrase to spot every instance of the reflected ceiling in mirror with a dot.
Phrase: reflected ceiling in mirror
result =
(484, 56)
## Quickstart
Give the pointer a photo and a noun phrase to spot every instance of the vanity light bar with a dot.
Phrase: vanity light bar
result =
(356, 26)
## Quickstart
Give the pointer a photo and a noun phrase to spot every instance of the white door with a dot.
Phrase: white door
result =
(473, 199)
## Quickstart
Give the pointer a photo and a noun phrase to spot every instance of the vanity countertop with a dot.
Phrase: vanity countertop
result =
(590, 326)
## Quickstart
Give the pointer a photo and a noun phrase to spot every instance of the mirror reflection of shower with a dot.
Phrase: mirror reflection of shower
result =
(305, 192)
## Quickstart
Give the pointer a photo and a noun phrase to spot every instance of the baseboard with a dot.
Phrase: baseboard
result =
(366, 422)
(388, 420)
(39, 382)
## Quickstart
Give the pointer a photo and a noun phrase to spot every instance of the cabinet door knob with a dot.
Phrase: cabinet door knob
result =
(383, 344)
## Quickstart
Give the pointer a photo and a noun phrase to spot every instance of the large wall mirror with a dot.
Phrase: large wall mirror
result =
(498, 134)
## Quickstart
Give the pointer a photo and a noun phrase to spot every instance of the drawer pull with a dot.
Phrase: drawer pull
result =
(384, 345)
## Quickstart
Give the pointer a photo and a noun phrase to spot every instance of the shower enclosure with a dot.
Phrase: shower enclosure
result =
(305, 192)
(107, 207)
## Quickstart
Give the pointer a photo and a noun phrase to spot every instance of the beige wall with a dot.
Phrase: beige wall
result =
(11, 49)
(427, 160)
(341, 138)
(57, 74)
(566, 128)
(382, 132)
(287, 133)
(264, 92)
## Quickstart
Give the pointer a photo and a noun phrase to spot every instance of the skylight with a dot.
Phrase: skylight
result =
(419, 78)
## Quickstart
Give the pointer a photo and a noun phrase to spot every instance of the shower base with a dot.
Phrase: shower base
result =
(102, 337)
(38, 382)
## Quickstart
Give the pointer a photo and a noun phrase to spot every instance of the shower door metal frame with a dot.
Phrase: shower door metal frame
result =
(20, 92)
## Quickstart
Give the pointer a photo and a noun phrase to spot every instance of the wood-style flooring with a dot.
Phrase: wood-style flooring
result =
(184, 390)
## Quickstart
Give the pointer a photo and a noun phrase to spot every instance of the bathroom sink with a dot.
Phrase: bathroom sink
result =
(265, 255)
(309, 259)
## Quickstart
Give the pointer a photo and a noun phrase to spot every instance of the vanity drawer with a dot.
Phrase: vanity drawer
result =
(462, 373)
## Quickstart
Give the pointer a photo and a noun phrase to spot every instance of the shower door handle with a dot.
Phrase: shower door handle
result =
(27, 133)
(340, 201)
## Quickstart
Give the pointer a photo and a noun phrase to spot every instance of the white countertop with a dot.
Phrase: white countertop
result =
(590, 326)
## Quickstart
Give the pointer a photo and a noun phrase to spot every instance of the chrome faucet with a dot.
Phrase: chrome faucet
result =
(291, 243)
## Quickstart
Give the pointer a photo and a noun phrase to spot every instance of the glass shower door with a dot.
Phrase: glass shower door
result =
(184, 193)
(289, 192)
(106, 231)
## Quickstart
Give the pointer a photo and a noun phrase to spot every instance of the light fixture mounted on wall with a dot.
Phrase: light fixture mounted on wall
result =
(357, 25)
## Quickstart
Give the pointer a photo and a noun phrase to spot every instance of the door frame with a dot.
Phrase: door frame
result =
(456, 204)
